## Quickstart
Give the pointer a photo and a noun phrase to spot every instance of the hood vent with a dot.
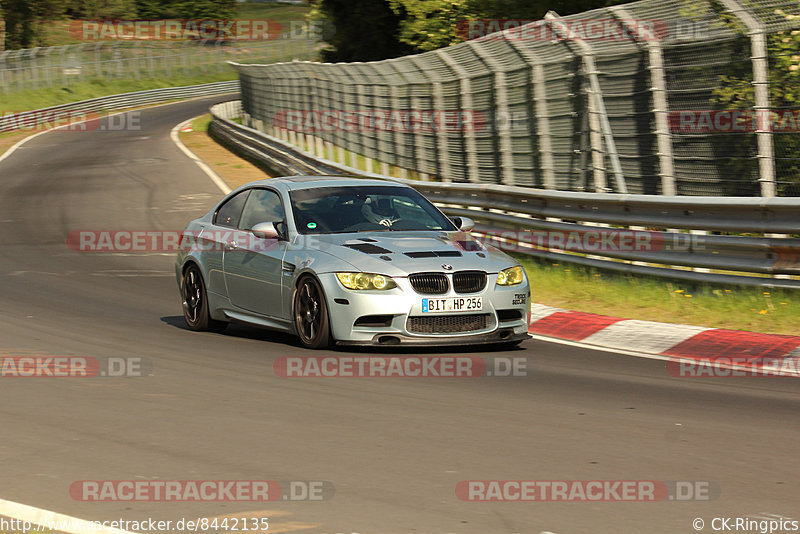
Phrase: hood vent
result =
(368, 248)
(434, 254)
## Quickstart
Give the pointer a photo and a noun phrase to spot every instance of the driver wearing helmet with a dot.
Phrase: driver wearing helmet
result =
(380, 211)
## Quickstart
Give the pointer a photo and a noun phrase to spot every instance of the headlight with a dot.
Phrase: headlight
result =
(365, 281)
(510, 277)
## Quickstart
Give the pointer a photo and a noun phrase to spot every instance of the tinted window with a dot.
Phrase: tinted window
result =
(229, 213)
(262, 206)
(364, 209)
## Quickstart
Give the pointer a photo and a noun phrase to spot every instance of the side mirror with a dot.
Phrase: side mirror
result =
(266, 230)
(465, 224)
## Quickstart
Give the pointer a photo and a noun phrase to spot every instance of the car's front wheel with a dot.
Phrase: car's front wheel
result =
(311, 314)
(195, 303)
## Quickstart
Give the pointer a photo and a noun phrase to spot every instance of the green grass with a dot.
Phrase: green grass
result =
(45, 97)
(647, 298)
(200, 124)
(57, 32)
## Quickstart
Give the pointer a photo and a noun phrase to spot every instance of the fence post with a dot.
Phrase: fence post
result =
(760, 59)
(35, 67)
(501, 98)
(362, 107)
(546, 165)
(658, 88)
(466, 101)
(3, 87)
(596, 142)
(587, 55)
(442, 150)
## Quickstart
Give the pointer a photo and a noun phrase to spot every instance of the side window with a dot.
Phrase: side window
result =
(230, 212)
(263, 205)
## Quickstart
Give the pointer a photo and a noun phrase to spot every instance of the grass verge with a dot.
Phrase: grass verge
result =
(234, 170)
(652, 299)
(54, 96)
(9, 139)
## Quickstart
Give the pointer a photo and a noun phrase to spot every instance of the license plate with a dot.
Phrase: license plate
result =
(452, 304)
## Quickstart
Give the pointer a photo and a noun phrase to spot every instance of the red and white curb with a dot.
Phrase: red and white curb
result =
(725, 349)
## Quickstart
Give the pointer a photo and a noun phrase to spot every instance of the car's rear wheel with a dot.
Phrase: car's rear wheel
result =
(195, 303)
(311, 314)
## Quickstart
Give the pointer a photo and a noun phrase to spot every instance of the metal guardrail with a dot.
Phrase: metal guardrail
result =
(59, 115)
(506, 211)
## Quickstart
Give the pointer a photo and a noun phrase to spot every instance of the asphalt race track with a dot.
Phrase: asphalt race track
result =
(394, 449)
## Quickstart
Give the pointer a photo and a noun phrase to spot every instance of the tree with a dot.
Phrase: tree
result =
(206, 9)
(185, 9)
(737, 93)
(363, 30)
(367, 30)
(24, 20)
(432, 24)
(100, 9)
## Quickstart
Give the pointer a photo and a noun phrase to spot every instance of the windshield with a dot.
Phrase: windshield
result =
(330, 210)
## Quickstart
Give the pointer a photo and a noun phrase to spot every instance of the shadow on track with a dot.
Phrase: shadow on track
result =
(261, 334)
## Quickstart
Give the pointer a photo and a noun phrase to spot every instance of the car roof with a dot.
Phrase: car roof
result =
(292, 183)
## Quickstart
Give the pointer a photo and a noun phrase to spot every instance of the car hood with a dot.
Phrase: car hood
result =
(402, 253)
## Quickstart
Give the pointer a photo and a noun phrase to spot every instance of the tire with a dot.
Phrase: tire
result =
(195, 303)
(311, 314)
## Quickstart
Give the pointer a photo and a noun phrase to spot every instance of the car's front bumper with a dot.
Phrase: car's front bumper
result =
(347, 307)
(504, 335)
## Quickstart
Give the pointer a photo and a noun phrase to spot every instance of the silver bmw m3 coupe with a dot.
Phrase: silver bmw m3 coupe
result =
(348, 261)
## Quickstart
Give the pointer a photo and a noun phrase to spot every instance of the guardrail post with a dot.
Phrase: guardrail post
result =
(587, 55)
(760, 58)
(467, 105)
(658, 88)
